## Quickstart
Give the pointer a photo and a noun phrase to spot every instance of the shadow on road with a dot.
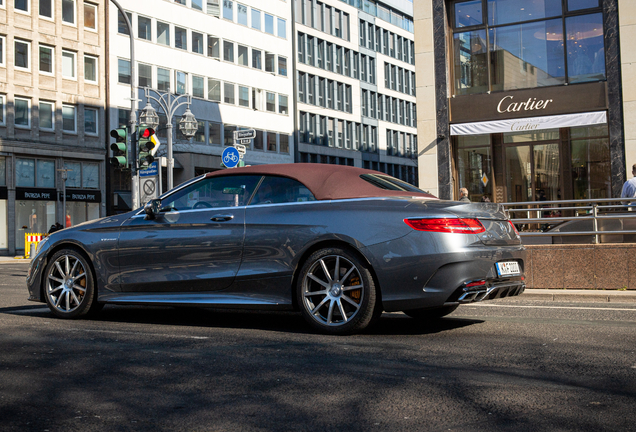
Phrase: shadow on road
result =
(293, 322)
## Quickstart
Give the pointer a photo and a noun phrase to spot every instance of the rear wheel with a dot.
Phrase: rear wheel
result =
(336, 291)
(431, 314)
(69, 286)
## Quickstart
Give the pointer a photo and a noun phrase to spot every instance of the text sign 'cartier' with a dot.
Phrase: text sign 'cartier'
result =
(529, 103)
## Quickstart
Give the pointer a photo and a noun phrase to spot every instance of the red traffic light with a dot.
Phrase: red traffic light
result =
(147, 133)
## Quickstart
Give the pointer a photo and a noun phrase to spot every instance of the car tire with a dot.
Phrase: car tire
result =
(69, 286)
(336, 291)
(431, 314)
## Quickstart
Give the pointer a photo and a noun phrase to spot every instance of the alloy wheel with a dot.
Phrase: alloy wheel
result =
(66, 283)
(333, 290)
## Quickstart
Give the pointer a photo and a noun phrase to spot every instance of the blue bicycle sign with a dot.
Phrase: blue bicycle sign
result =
(230, 157)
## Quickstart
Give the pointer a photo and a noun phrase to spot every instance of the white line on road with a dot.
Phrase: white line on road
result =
(138, 333)
(550, 307)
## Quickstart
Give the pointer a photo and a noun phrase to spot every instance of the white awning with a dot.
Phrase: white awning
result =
(530, 124)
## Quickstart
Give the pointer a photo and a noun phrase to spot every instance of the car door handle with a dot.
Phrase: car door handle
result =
(222, 218)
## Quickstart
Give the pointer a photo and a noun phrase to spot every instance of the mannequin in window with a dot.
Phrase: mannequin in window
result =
(33, 221)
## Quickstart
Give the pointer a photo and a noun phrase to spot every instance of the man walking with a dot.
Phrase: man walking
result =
(463, 195)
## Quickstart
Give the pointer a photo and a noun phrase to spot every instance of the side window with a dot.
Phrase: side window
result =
(212, 192)
(276, 190)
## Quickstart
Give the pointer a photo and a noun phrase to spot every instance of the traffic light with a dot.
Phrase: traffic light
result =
(119, 148)
(146, 145)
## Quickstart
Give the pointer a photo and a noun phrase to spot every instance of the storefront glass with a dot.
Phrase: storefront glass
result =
(529, 44)
(32, 217)
(78, 212)
(518, 174)
(474, 166)
(591, 176)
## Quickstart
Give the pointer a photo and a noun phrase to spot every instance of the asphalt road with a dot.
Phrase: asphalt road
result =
(505, 365)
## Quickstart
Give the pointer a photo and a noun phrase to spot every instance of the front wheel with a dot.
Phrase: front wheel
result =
(336, 291)
(69, 285)
(431, 314)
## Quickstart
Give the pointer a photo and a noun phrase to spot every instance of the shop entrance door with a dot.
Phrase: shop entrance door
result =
(533, 172)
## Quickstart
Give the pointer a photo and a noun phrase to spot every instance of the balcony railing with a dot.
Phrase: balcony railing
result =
(605, 219)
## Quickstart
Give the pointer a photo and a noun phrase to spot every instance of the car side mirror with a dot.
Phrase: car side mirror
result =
(152, 208)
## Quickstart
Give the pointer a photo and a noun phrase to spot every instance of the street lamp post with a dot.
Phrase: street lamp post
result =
(169, 103)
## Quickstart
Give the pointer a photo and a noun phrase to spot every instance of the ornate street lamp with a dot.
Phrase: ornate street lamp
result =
(188, 124)
(149, 116)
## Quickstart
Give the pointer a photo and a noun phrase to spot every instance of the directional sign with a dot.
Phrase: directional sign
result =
(150, 171)
(230, 157)
(250, 133)
(244, 140)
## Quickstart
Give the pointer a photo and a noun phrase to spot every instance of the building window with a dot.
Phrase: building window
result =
(22, 109)
(198, 87)
(122, 28)
(90, 69)
(244, 96)
(69, 118)
(74, 174)
(282, 66)
(181, 81)
(163, 33)
(144, 28)
(22, 54)
(163, 79)
(214, 90)
(90, 16)
(271, 141)
(22, 5)
(228, 51)
(46, 8)
(282, 104)
(214, 133)
(90, 175)
(213, 47)
(256, 19)
(243, 57)
(271, 102)
(269, 24)
(283, 143)
(180, 38)
(228, 10)
(47, 54)
(68, 65)
(256, 59)
(2, 45)
(2, 112)
(197, 43)
(68, 11)
(123, 71)
(282, 28)
(228, 93)
(241, 14)
(270, 62)
(90, 121)
(523, 45)
(145, 75)
(197, 4)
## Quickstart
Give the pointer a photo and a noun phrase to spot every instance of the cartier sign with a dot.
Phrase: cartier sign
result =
(534, 102)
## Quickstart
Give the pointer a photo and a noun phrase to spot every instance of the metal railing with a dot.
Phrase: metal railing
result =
(550, 213)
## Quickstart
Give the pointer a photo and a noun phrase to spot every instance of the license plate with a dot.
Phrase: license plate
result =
(508, 268)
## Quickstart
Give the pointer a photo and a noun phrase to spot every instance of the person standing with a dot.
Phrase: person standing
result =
(629, 189)
(463, 195)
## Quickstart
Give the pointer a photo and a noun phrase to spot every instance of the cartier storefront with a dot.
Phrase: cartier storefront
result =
(539, 144)
(528, 99)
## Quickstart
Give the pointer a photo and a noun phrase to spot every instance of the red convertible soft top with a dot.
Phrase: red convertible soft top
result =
(325, 181)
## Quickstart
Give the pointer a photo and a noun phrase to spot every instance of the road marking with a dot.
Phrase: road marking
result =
(138, 333)
(551, 307)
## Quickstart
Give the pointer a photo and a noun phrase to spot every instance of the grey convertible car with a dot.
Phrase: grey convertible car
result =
(340, 244)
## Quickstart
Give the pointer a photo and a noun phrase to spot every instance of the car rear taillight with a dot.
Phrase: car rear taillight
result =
(447, 225)
(514, 228)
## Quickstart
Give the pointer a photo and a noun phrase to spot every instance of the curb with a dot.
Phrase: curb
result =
(564, 295)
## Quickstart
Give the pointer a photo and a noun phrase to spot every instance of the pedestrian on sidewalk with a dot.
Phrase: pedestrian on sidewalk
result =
(629, 189)
(463, 195)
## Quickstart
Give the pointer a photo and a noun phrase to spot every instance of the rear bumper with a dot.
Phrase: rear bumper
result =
(414, 275)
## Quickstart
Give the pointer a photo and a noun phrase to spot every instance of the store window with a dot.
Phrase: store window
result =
(591, 175)
(515, 44)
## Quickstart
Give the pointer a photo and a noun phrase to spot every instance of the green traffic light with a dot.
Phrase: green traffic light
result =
(119, 148)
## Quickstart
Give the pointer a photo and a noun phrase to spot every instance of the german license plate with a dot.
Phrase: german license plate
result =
(508, 268)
